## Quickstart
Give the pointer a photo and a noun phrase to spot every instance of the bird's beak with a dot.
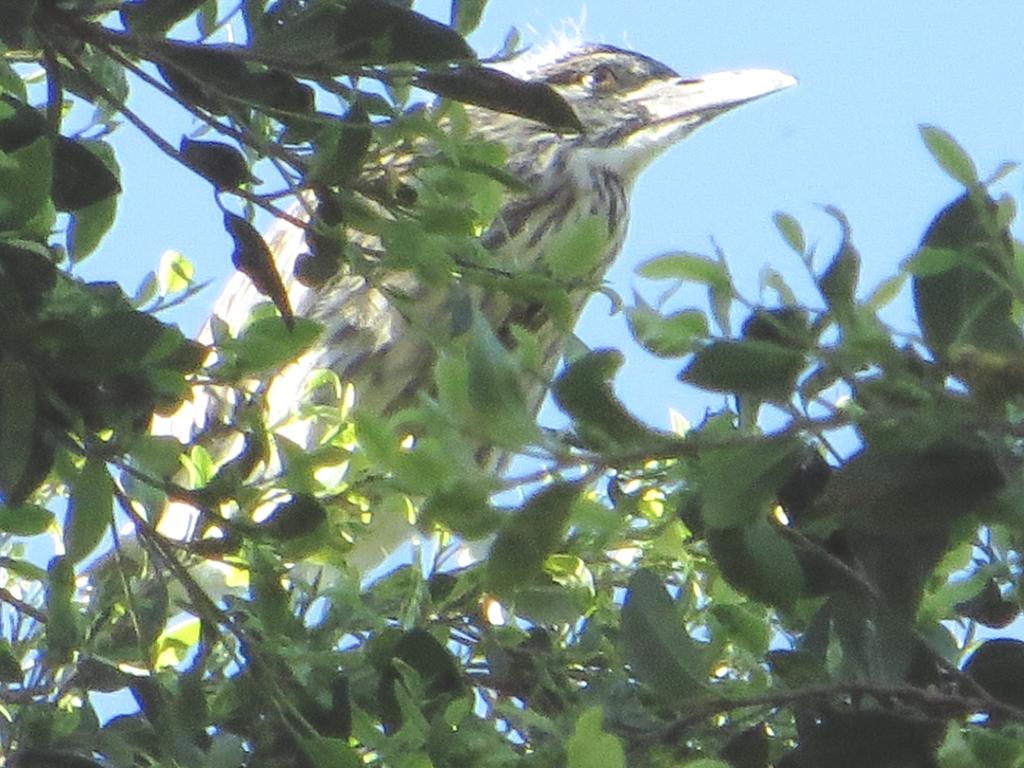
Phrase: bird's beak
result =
(717, 92)
(677, 106)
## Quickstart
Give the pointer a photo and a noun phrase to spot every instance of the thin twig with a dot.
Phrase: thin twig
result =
(29, 610)
(925, 699)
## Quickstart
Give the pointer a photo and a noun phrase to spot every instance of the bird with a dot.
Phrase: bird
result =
(380, 330)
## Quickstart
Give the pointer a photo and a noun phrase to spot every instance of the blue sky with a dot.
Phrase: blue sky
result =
(869, 72)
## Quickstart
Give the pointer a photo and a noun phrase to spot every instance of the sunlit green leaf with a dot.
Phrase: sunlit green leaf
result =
(590, 746)
(950, 156)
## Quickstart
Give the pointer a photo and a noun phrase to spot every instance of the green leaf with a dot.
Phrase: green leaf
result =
(994, 749)
(90, 510)
(667, 335)
(10, 667)
(20, 124)
(838, 283)
(25, 181)
(885, 292)
(590, 746)
(88, 226)
(755, 368)
(175, 274)
(154, 17)
(950, 156)
(688, 267)
(20, 427)
(62, 632)
(266, 345)
(757, 561)
(577, 250)
(929, 261)
(659, 651)
(743, 625)
(25, 520)
(584, 391)
(494, 386)
(326, 753)
(971, 302)
(90, 223)
(532, 532)
(466, 15)
(463, 508)
(791, 232)
(739, 483)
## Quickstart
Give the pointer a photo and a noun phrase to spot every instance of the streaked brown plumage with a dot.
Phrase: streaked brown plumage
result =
(382, 330)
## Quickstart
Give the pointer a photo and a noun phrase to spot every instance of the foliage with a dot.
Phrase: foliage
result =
(807, 595)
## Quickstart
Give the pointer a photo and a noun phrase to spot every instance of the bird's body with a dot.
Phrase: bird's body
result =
(381, 330)
(566, 220)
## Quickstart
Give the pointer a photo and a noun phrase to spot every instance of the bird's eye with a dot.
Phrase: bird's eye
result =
(601, 78)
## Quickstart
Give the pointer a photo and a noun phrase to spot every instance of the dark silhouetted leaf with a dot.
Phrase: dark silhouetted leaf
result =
(375, 31)
(301, 516)
(20, 124)
(342, 148)
(856, 739)
(223, 165)
(989, 607)
(998, 667)
(785, 326)
(330, 39)
(28, 269)
(912, 492)
(747, 749)
(435, 665)
(252, 257)
(92, 674)
(281, 92)
(80, 177)
(504, 93)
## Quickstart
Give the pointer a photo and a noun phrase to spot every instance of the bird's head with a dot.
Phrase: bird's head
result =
(633, 107)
